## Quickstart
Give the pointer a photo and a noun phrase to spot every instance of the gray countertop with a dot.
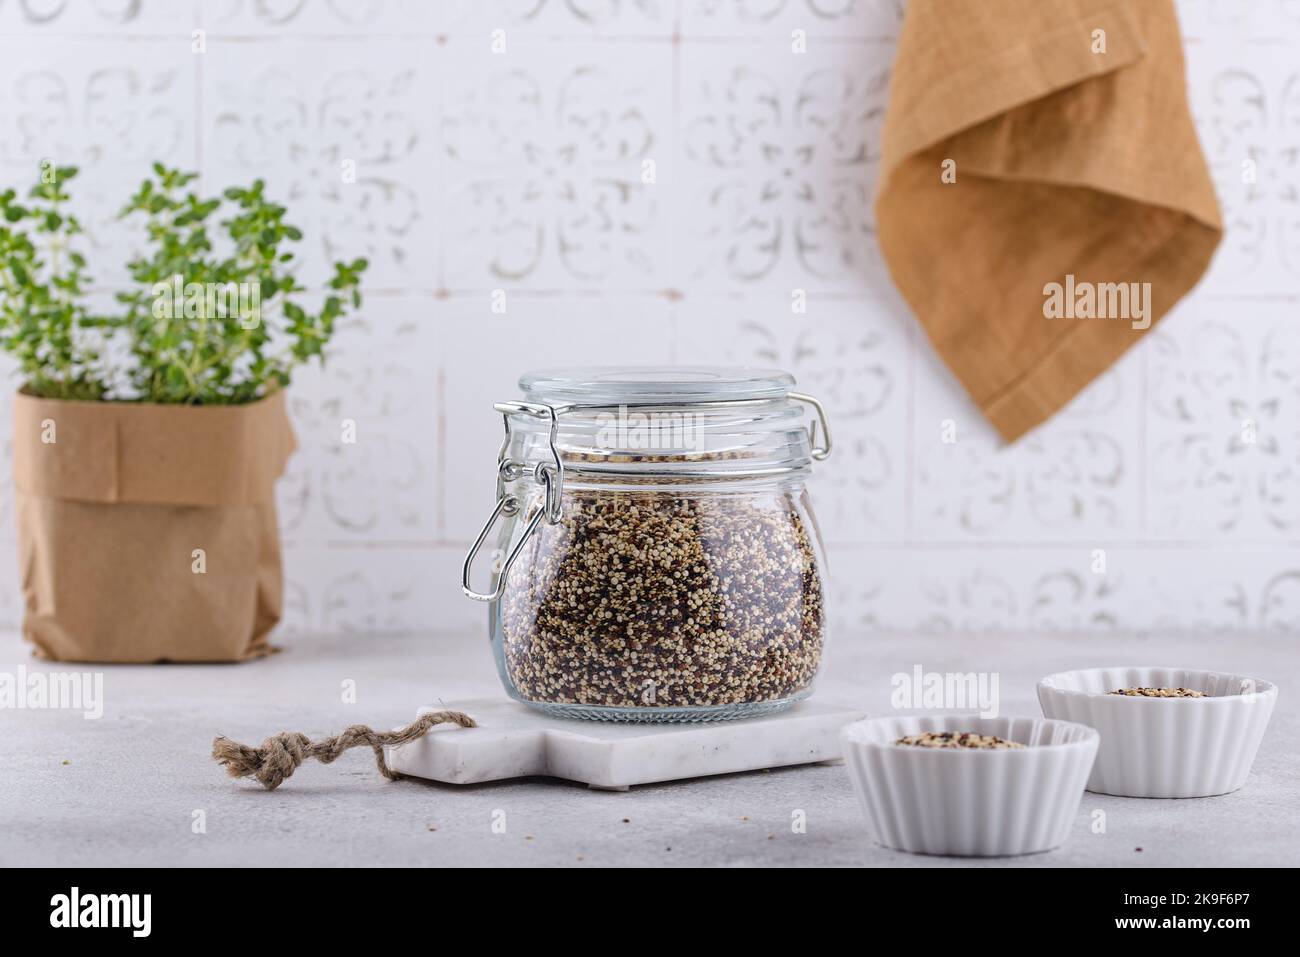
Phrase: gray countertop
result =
(126, 789)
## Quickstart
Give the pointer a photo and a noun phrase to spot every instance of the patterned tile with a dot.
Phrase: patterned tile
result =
(835, 19)
(1223, 443)
(853, 356)
(367, 462)
(534, 18)
(341, 133)
(320, 17)
(778, 159)
(1246, 103)
(112, 18)
(1213, 20)
(1076, 478)
(365, 591)
(1036, 589)
(554, 154)
(111, 110)
(1222, 590)
(978, 591)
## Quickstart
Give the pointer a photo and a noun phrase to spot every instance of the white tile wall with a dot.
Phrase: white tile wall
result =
(525, 171)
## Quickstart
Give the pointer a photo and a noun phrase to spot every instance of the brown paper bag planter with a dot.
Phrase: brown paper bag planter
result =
(148, 532)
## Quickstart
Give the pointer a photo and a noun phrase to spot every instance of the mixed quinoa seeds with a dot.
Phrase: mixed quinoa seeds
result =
(644, 599)
(1160, 693)
(958, 739)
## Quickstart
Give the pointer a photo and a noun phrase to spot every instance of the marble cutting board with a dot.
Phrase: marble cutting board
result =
(514, 741)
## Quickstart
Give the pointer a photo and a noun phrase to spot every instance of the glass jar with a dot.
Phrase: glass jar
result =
(657, 557)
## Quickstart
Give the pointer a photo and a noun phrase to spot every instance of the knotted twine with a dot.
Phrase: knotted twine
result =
(281, 754)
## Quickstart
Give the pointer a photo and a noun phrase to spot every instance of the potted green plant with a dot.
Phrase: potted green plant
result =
(148, 436)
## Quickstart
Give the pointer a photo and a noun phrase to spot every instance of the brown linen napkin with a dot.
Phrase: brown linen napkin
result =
(1068, 163)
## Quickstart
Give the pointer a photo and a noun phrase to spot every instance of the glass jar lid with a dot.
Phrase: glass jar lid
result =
(605, 386)
(664, 419)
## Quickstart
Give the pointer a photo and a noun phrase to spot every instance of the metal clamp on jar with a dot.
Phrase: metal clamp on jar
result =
(658, 558)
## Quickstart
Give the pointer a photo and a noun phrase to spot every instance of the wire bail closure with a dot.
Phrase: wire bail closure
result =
(819, 452)
(550, 475)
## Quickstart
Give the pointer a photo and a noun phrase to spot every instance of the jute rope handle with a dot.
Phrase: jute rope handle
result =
(281, 754)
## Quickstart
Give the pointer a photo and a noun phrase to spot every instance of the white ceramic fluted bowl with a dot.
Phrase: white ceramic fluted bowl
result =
(969, 803)
(1165, 747)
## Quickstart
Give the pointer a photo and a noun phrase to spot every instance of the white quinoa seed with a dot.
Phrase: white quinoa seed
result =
(958, 739)
(1159, 693)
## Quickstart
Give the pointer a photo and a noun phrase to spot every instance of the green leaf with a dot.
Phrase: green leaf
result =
(189, 350)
